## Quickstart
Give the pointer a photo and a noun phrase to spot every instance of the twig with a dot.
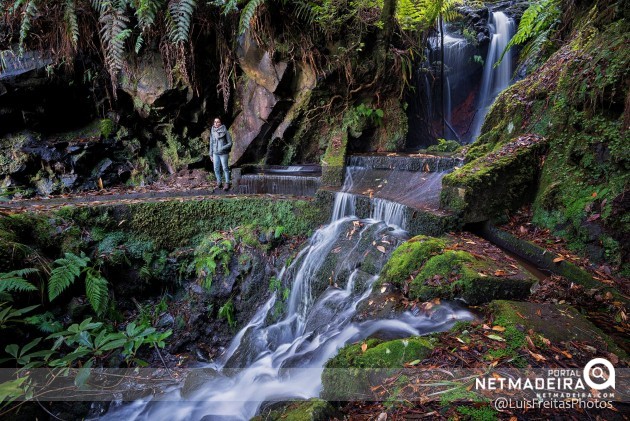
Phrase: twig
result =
(49, 413)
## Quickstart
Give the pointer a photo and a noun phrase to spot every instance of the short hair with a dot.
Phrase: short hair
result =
(217, 118)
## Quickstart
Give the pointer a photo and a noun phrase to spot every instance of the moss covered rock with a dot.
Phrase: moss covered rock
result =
(433, 268)
(491, 185)
(310, 410)
(556, 322)
(355, 368)
(333, 161)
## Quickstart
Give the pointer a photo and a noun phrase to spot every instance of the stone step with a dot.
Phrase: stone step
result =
(416, 162)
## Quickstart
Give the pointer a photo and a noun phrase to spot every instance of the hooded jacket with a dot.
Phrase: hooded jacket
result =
(220, 140)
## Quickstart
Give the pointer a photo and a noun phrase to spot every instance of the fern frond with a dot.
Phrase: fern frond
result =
(70, 17)
(14, 281)
(247, 14)
(100, 5)
(16, 6)
(139, 44)
(96, 290)
(146, 11)
(180, 12)
(67, 270)
(113, 35)
(25, 25)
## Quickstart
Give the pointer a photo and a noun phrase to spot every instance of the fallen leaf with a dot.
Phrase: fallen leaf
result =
(381, 249)
(496, 338)
(499, 272)
(498, 328)
(566, 354)
(363, 347)
(558, 259)
(100, 183)
(537, 357)
(414, 362)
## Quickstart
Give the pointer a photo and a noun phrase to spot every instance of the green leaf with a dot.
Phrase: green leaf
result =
(83, 374)
(30, 345)
(12, 350)
(496, 338)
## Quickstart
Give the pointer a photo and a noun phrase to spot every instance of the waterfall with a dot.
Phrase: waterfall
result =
(279, 184)
(283, 360)
(496, 79)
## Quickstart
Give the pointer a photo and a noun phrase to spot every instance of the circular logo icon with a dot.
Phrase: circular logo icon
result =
(605, 378)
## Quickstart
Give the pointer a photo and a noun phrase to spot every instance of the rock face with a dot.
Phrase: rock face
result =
(270, 98)
(153, 93)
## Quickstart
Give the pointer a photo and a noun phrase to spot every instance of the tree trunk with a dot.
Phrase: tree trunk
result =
(383, 38)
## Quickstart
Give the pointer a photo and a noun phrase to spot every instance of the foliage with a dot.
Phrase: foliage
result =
(537, 26)
(180, 18)
(214, 251)
(65, 272)
(226, 311)
(444, 146)
(14, 281)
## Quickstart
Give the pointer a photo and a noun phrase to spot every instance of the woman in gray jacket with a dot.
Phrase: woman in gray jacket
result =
(220, 146)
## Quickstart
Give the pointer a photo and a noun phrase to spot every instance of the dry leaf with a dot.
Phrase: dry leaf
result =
(499, 272)
(537, 357)
(498, 328)
(100, 183)
(558, 259)
(381, 249)
(363, 347)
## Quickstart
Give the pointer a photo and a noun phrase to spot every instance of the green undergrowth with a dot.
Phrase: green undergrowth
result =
(173, 224)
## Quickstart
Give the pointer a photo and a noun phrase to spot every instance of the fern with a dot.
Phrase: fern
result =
(67, 270)
(226, 311)
(25, 25)
(70, 17)
(16, 6)
(113, 35)
(180, 13)
(14, 281)
(96, 290)
(146, 12)
(536, 24)
(247, 14)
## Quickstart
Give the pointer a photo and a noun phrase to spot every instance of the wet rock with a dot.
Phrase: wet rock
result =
(166, 321)
(196, 379)
(46, 186)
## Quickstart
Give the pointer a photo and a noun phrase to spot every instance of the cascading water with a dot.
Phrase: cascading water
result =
(279, 184)
(494, 79)
(283, 360)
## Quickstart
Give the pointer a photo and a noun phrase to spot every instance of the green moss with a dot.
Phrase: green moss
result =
(107, 127)
(345, 376)
(409, 257)
(457, 274)
(334, 158)
(484, 413)
(188, 219)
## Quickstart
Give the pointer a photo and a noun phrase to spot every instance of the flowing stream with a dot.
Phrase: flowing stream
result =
(283, 360)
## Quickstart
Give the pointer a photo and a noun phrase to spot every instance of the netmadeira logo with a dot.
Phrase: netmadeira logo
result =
(593, 370)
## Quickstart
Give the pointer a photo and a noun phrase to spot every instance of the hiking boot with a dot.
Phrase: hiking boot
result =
(219, 186)
(227, 187)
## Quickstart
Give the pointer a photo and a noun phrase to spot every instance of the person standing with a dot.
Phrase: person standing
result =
(220, 146)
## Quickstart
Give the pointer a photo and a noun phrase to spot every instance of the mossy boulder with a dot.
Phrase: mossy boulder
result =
(409, 257)
(350, 374)
(310, 410)
(496, 183)
(433, 268)
(556, 322)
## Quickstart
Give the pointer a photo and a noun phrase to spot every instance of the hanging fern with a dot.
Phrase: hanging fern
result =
(100, 5)
(113, 35)
(96, 290)
(247, 14)
(180, 19)
(146, 12)
(25, 25)
(67, 270)
(14, 281)
(70, 17)
(536, 26)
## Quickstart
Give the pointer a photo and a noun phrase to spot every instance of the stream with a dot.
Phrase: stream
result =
(283, 360)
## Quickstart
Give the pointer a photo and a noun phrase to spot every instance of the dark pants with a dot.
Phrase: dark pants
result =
(221, 161)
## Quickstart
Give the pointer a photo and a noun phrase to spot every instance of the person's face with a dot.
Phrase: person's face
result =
(217, 122)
